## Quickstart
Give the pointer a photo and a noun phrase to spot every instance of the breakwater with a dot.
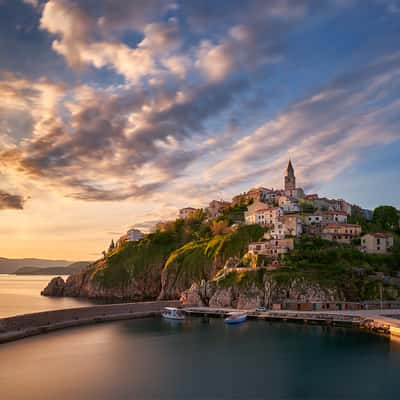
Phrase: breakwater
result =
(378, 321)
(21, 326)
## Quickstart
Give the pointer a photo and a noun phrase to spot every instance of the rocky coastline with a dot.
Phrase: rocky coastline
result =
(211, 295)
(205, 293)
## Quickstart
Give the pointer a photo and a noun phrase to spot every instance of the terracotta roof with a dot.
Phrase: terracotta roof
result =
(342, 226)
(381, 235)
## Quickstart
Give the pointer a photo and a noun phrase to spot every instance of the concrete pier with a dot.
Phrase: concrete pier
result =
(21, 326)
(380, 321)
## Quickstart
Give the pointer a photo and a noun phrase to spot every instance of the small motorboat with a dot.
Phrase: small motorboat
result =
(172, 313)
(235, 317)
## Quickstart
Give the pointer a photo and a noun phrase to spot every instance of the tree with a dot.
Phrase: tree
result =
(387, 217)
(112, 246)
(219, 227)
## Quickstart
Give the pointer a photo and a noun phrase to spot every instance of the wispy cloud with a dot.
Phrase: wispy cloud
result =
(11, 201)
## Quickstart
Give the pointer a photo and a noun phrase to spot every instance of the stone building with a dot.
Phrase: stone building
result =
(290, 179)
(273, 248)
(266, 216)
(341, 233)
(216, 207)
(290, 183)
(133, 235)
(377, 243)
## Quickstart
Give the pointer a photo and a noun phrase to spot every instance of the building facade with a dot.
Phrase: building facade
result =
(267, 216)
(133, 235)
(273, 248)
(377, 243)
(216, 207)
(341, 233)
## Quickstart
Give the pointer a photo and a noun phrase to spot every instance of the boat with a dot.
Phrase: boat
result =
(235, 317)
(172, 313)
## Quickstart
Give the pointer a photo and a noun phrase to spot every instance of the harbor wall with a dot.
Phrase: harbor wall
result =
(20, 326)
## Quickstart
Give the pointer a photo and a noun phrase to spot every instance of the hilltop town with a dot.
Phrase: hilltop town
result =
(287, 214)
(265, 247)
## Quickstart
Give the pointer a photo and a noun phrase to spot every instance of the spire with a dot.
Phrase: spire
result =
(290, 179)
(290, 169)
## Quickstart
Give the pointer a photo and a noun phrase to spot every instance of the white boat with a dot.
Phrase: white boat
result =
(236, 317)
(172, 313)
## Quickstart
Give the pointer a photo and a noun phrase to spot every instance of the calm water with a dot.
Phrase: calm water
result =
(21, 295)
(153, 359)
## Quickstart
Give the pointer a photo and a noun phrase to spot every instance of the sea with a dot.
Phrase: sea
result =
(20, 294)
(195, 359)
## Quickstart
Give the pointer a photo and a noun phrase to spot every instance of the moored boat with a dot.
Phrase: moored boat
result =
(236, 317)
(172, 313)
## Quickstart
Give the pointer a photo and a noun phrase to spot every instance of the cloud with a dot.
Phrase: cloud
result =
(112, 145)
(324, 132)
(11, 201)
(184, 86)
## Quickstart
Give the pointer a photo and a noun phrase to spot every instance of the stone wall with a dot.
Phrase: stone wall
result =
(20, 326)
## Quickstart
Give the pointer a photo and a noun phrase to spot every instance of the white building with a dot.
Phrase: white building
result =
(133, 235)
(377, 243)
(313, 219)
(267, 216)
(288, 205)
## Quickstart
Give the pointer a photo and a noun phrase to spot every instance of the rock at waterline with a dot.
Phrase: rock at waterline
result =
(54, 288)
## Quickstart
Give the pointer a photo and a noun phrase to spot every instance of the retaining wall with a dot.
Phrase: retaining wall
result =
(20, 326)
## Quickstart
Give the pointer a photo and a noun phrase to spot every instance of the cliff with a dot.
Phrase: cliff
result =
(176, 261)
(201, 260)
(160, 266)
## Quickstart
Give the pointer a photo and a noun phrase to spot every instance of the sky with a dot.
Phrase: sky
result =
(116, 113)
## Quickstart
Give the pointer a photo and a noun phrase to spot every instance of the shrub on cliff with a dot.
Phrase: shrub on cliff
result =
(199, 260)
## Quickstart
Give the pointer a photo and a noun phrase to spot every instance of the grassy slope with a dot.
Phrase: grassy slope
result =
(196, 260)
(134, 259)
(329, 265)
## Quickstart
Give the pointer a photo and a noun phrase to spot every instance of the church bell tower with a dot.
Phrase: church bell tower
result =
(290, 179)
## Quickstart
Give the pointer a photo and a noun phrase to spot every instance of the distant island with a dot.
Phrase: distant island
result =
(68, 270)
(37, 266)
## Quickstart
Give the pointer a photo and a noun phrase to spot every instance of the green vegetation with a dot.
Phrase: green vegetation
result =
(387, 217)
(134, 259)
(198, 260)
(244, 279)
(235, 214)
(190, 250)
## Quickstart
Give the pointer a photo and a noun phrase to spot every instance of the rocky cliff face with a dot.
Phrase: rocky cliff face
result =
(210, 294)
(147, 286)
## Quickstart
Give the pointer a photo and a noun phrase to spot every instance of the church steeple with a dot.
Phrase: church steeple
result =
(290, 179)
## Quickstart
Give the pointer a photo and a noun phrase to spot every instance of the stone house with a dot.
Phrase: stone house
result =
(293, 224)
(133, 235)
(216, 207)
(273, 248)
(288, 204)
(267, 216)
(334, 217)
(341, 233)
(376, 243)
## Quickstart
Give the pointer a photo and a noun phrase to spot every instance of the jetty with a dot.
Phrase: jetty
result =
(22, 326)
(386, 321)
